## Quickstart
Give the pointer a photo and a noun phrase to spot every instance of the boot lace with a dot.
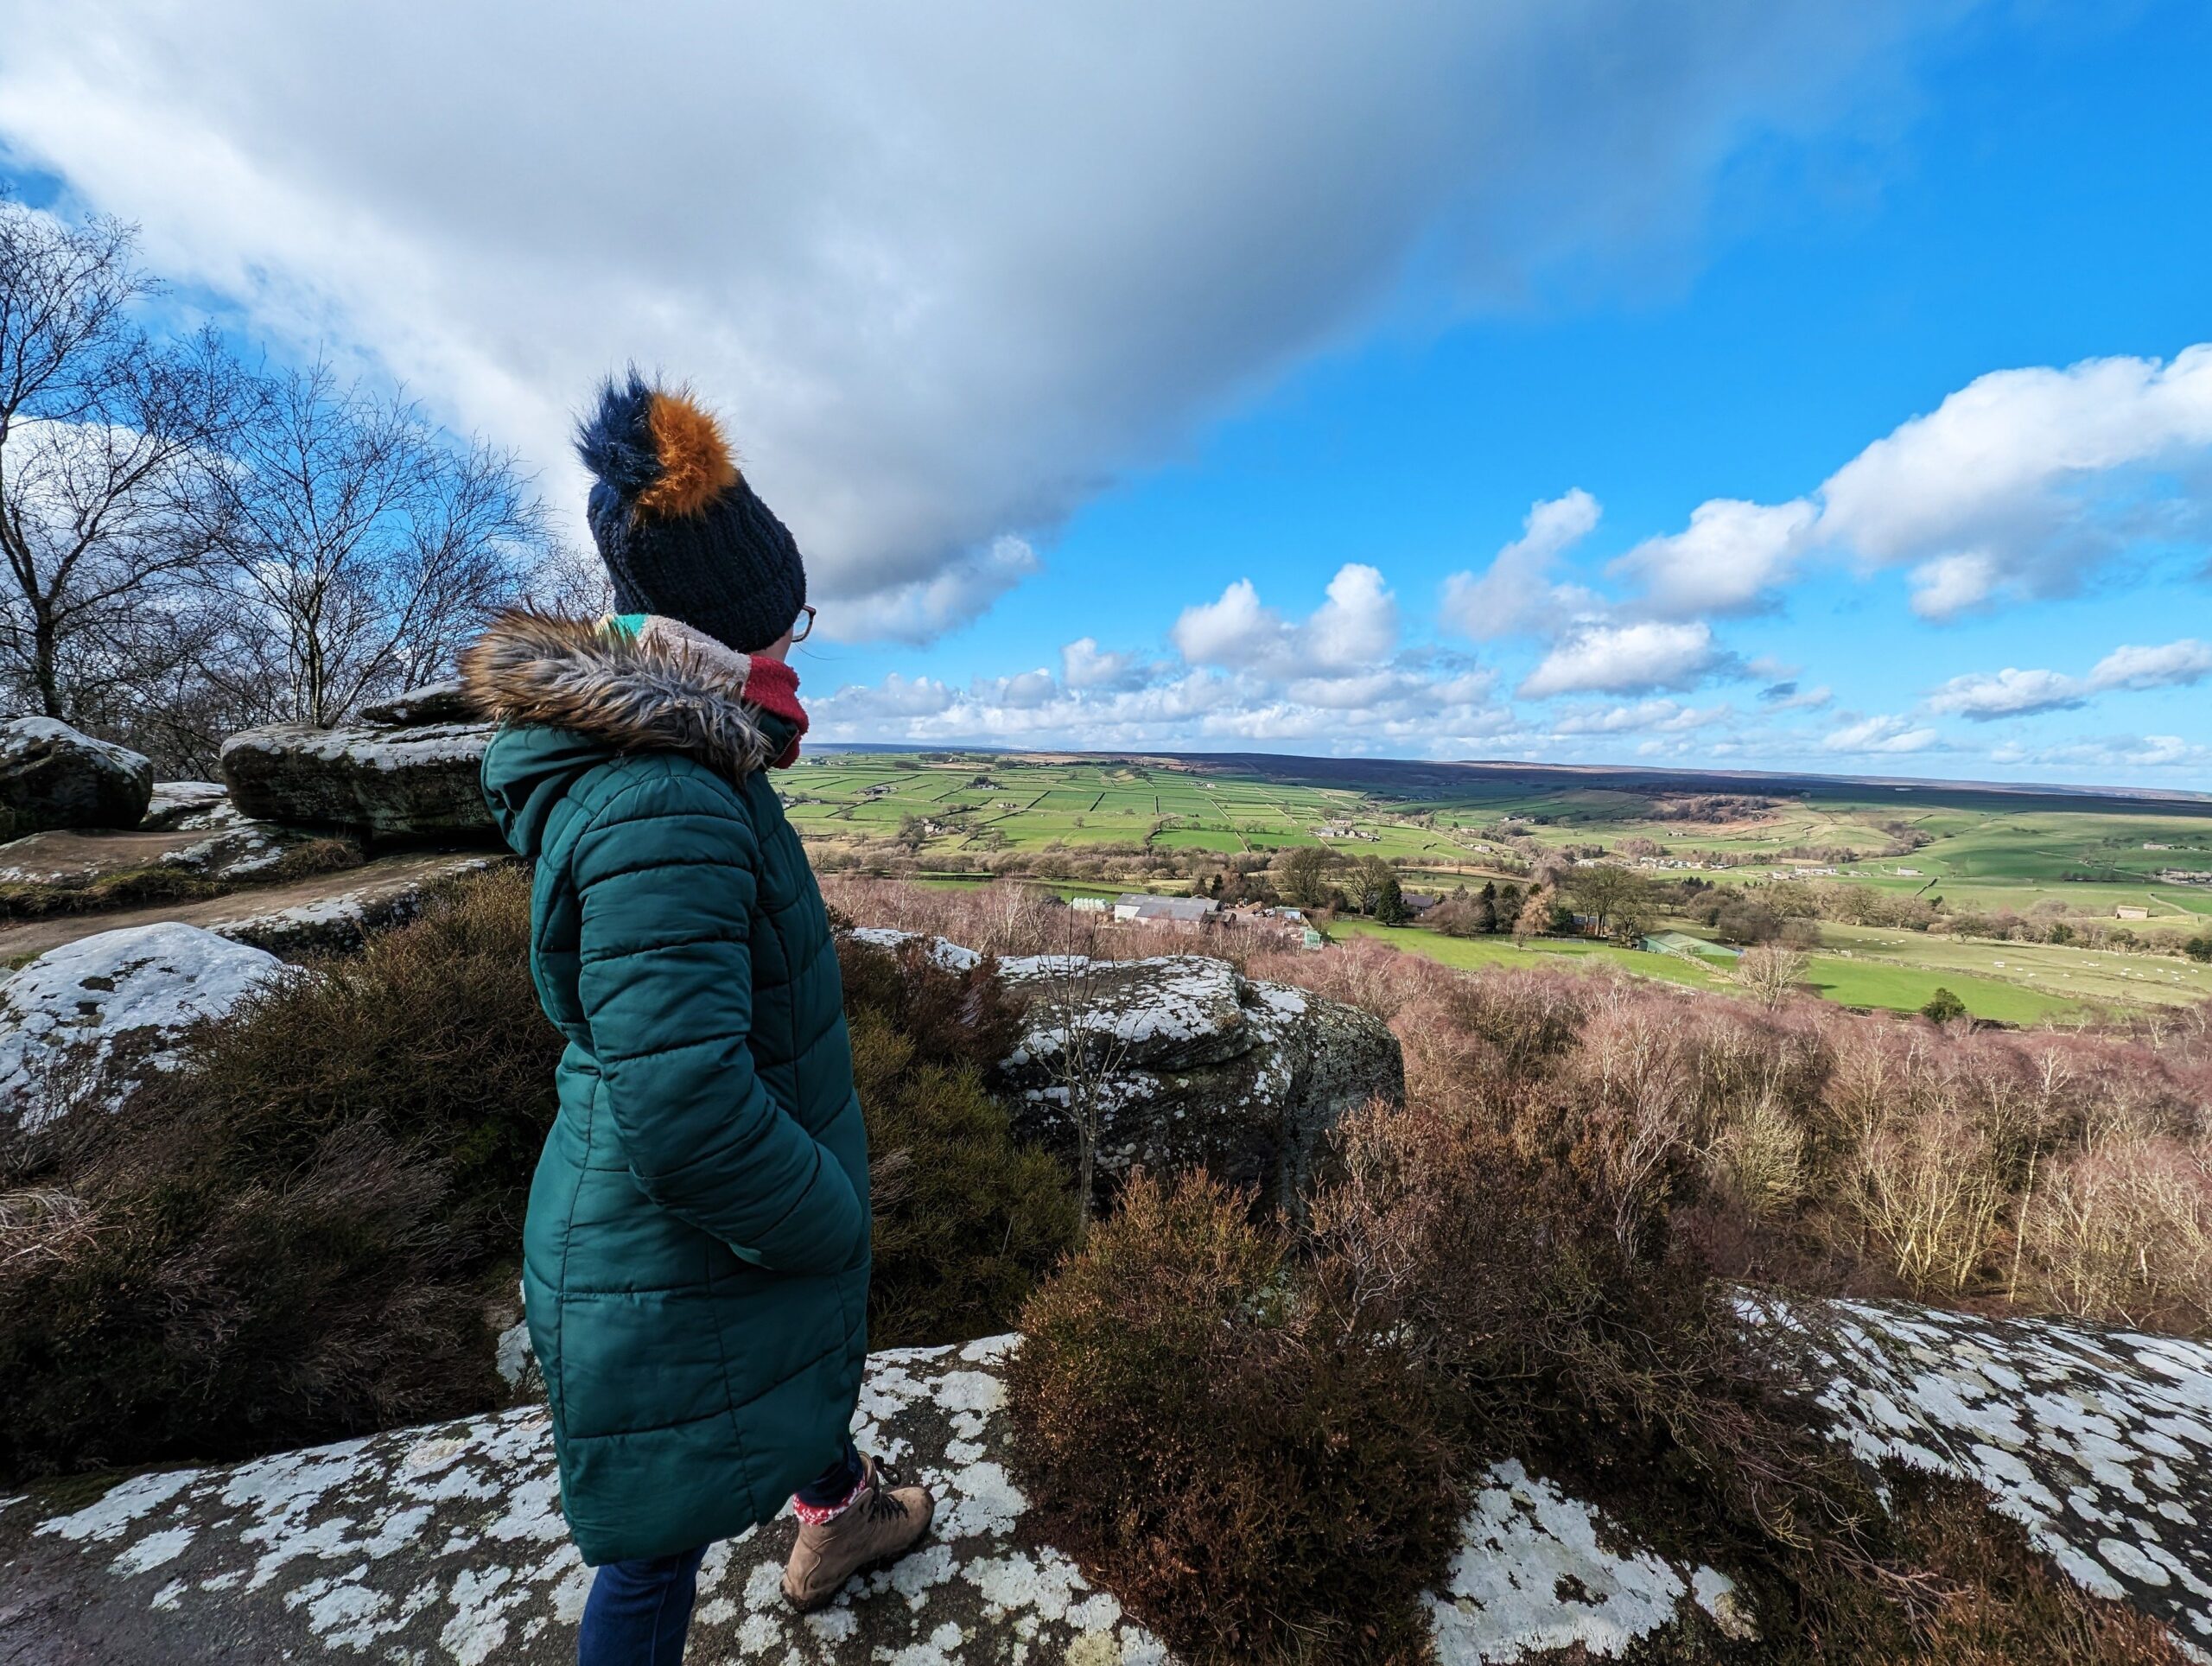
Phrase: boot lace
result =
(881, 1505)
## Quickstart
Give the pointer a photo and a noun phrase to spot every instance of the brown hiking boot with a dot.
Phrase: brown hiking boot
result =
(883, 1523)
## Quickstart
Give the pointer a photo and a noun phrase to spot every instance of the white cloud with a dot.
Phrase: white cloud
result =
(1944, 587)
(2112, 752)
(1084, 665)
(1667, 717)
(2024, 480)
(2008, 693)
(2170, 665)
(1355, 628)
(1728, 561)
(1517, 593)
(1025, 691)
(2023, 483)
(1625, 659)
(1883, 734)
(923, 609)
(945, 270)
(1333, 683)
(1358, 625)
(1236, 631)
(1984, 695)
(892, 701)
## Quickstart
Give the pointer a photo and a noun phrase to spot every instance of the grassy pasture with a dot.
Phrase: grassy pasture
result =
(1985, 850)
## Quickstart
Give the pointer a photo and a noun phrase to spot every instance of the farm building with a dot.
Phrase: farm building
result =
(1689, 948)
(2129, 911)
(1165, 911)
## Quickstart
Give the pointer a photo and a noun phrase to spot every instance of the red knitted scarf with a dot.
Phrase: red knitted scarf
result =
(773, 686)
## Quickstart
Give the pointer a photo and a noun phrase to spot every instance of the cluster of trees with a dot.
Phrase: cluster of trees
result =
(1314, 876)
(193, 542)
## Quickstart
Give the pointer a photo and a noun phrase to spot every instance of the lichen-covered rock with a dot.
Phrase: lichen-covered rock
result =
(445, 1544)
(52, 776)
(1188, 1062)
(347, 907)
(48, 866)
(185, 803)
(433, 702)
(2098, 1441)
(98, 1013)
(413, 785)
(332, 911)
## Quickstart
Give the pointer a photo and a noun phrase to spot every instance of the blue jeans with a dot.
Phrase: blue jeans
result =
(638, 1611)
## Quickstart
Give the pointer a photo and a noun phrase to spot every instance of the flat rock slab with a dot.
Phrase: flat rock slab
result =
(2098, 1441)
(108, 1008)
(332, 911)
(64, 857)
(445, 1544)
(236, 852)
(176, 803)
(420, 783)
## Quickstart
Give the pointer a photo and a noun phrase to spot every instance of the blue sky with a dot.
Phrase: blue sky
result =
(1785, 387)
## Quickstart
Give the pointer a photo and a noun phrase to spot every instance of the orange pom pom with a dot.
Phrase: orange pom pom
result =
(695, 467)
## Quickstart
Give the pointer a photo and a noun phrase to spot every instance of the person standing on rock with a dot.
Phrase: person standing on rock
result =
(695, 1258)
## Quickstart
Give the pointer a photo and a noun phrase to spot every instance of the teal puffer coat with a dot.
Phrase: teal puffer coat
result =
(695, 1258)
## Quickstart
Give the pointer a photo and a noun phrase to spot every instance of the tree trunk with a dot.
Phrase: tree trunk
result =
(42, 665)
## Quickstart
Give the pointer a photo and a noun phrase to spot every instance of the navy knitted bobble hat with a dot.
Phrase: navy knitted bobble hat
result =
(681, 532)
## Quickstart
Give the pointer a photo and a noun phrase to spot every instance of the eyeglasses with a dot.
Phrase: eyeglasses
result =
(804, 624)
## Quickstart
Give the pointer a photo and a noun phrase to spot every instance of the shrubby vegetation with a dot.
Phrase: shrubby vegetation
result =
(1256, 1474)
(1532, 1259)
(2055, 1171)
(297, 1235)
(311, 1228)
(967, 1217)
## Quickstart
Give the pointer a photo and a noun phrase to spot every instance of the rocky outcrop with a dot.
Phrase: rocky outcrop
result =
(61, 867)
(1188, 1061)
(418, 784)
(433, 702)
(445, 1544)
(1182, 1060)
(2098, 1441)
(333, 911)
(92, 1016)
(52, 776)
(185, 803)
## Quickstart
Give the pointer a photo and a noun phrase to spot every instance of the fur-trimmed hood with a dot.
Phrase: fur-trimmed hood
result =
(661, 687)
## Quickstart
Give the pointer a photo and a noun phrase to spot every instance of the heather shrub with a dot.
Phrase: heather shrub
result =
(1257, 1475)
(1978, 1594)
(432, 1035)
(293, 1236)
(966, 1217)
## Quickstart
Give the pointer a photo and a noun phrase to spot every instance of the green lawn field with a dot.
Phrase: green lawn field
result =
(1981, 849)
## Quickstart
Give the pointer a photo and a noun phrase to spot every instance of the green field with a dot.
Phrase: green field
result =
(1980, 849)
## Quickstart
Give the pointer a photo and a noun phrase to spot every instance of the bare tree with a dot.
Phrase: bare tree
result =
(1093, 1039)
(363, 546)
(570, 582)
(1770, 971)
(106, 440)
